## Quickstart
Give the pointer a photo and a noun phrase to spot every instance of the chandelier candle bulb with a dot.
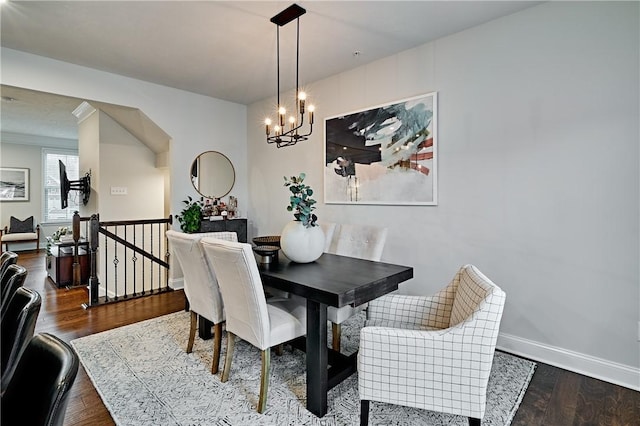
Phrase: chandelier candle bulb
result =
(302, 97)
(267, 124)
(311, 109)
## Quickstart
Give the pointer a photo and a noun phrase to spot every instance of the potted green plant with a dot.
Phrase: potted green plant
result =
(300, 200)
(191, 216)
(302, 240)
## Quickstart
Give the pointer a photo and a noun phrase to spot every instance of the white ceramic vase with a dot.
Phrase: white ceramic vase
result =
(301, 244)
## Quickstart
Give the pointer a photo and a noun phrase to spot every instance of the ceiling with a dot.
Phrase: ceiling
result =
(227, 49)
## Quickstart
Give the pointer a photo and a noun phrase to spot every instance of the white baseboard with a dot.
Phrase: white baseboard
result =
(587, 365)
(176, 283)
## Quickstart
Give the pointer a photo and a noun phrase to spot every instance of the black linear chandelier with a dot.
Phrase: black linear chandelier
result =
(281, 136)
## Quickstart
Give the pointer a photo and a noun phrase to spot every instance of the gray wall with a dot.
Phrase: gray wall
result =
(25, 151)
(538, 175)
(195, 123)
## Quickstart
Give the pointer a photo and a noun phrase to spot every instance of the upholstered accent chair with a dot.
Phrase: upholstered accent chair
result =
(432, 352)
(38, 392)
(12, 278)
(17, 325)
(20, 231)
(249, 316)
(200, 285)
(361, 241)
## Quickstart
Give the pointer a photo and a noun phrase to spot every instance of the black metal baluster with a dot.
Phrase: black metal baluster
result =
(143, 260)
(166, 256)
(151, 265)
(106, 269)
(134, 259)
(126, 295)
(115, 265)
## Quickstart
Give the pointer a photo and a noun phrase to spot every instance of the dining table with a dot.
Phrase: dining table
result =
(331, 280)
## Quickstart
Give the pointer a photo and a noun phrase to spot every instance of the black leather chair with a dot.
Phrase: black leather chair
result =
(11, 280)
(7, 258)
(38, 392)
(17, 327)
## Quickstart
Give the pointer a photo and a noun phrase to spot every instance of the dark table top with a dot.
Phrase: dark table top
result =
(336, 280)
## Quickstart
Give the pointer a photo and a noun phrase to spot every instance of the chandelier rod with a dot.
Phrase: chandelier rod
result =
(297, 64)
(278, 72)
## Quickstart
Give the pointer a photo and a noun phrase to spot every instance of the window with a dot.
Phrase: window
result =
(51, 176)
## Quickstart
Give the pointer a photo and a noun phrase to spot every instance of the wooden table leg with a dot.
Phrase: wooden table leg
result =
(317, 376)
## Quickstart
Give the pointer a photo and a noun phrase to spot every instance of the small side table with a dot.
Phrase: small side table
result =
(60, 265)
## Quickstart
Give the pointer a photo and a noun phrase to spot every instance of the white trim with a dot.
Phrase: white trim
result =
(37, 140)
(602, 369)
(83, 111)
(176, 283)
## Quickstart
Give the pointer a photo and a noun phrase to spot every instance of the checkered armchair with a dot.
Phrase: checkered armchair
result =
(433, 352)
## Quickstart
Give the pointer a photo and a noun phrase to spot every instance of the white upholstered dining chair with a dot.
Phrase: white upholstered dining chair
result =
(361, 241)
(249, 316)
(200, 285)
(328, 228)
(432, 352)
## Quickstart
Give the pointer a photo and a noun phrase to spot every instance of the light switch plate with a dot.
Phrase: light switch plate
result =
(118, 190)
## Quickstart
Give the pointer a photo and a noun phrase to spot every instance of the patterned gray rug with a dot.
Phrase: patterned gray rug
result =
(144, 377)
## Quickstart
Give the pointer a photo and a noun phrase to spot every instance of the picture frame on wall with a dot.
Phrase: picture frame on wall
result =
(385, 154)
(14, 184)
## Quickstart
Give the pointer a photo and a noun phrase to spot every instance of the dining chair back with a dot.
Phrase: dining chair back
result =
(38, 392)
(200, 285)
(7, 258)
(329, 229)
(354, 240)
(17, 327)
(249, 316)
(13, 278)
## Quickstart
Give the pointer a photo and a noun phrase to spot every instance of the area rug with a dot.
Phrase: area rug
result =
(145, 377)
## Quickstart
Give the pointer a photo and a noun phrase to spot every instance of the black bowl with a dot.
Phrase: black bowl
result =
(269, 240)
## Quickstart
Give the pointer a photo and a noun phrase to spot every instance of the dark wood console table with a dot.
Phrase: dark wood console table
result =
(239, 226)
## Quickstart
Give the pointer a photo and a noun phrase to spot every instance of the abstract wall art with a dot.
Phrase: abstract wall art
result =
(385, 154)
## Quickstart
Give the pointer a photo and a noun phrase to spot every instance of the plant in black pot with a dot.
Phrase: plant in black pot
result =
(191, 216)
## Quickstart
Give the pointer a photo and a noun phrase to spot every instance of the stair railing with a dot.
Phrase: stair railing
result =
(131, 257)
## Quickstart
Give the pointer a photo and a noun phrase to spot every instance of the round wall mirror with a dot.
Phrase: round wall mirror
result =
(212, 174)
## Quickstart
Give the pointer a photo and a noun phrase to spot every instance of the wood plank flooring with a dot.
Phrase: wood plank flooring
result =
(555, 397)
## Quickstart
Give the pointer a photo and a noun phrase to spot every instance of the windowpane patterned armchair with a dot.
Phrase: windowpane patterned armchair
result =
(434, 352)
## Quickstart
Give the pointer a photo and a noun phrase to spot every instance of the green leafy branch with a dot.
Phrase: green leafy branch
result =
(300, 201)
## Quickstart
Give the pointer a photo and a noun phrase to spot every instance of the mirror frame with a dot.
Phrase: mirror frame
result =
(192, 175)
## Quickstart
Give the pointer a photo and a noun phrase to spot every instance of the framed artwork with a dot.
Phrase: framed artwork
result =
(14, 184)
(385, 154)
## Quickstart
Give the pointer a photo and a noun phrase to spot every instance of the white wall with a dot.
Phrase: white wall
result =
(195, 123)
(126, 162)
(30, 157)
(538, 175)
(89, 160)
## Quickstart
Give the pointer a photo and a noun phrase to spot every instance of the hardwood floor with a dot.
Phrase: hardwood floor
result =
(555, 397)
